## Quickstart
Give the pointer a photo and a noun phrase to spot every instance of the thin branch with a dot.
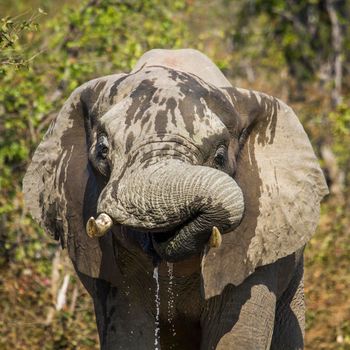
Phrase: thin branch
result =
(337, 48)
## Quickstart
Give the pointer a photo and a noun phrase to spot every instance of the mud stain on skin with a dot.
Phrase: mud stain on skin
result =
(222, 107)
(141, 101)
(156, 99)
(129, 142)
(162, 117)
(161, 122)
(89, 111)
(271, 109)
(171, 105)
(250, 108)
(114, 89)
(190, 105)
(145, 119)
(193, 91)
(92, 93)
(188, 101)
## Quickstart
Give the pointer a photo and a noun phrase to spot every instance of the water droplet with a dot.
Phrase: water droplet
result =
(157, 329)
(171, 298)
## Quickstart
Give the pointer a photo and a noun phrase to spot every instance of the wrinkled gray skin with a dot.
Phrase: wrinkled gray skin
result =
(167, 152)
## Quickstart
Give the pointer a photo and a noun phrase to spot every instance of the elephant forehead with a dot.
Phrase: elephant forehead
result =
(165, 102)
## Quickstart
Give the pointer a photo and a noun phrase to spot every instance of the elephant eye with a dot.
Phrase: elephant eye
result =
(220, 156)
(102, 147)
(98, 155)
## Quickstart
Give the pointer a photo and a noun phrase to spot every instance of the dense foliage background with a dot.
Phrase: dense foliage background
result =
(296, 50)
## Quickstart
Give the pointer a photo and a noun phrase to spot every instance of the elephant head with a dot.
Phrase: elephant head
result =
(174, 154)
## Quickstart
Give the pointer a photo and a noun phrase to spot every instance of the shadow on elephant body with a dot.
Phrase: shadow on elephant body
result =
(289, 326)
(94, 255)
(260, 306)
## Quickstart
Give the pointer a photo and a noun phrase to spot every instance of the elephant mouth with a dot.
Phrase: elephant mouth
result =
(166, 242)
(156, 243)
(161, 240)
(163, 243)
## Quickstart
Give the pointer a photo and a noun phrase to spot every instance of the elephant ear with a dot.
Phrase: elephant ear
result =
(282, 184)
(60, 186)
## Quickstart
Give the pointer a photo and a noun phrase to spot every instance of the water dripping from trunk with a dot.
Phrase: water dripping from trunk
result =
(157, 328)
(171, 299)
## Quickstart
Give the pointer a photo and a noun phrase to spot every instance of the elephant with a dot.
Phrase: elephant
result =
(185, 205)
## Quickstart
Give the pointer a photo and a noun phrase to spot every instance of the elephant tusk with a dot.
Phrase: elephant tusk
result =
(215, 238)
(98, 227)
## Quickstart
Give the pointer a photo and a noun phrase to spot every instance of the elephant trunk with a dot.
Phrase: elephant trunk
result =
(177, 202)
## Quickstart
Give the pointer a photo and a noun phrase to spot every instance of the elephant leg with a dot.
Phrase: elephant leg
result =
(288, 333)
(122, 322)
(242, 317)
